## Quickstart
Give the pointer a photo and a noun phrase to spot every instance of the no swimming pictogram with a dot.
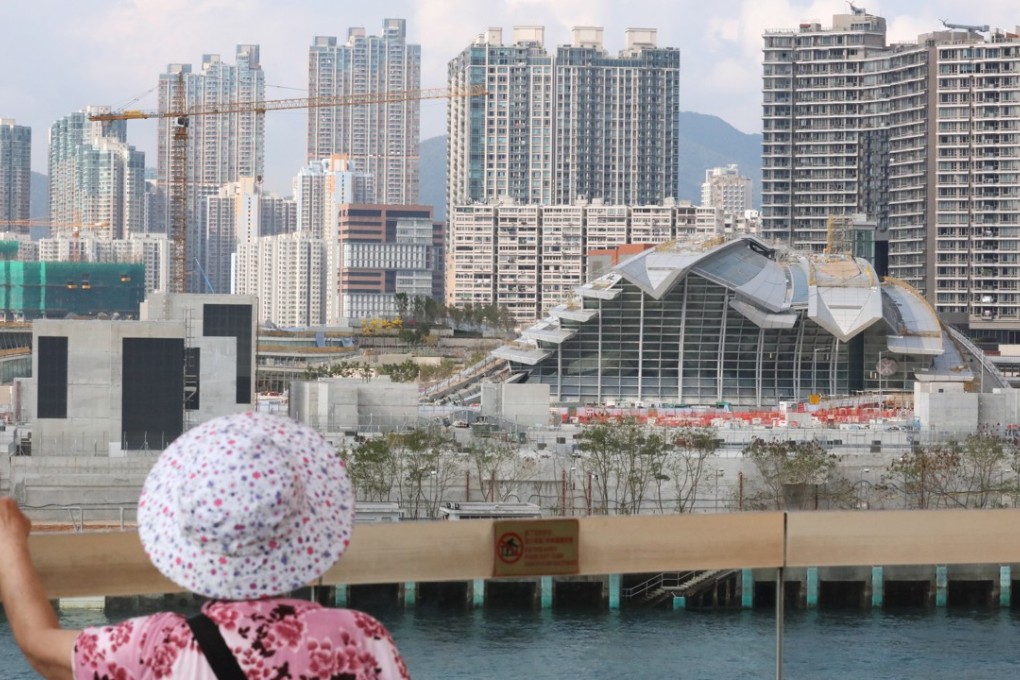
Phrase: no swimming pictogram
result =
(509, 548)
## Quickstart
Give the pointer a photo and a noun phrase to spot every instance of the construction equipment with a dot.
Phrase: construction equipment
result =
(177, 194)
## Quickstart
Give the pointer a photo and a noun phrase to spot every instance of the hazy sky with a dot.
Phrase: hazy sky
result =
(59, 56)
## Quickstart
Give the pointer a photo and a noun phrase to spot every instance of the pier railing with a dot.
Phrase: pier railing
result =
(113, 562)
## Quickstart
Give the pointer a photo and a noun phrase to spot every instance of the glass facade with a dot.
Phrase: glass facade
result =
(691, 347)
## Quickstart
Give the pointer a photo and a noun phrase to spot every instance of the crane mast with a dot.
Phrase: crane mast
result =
(180, 112)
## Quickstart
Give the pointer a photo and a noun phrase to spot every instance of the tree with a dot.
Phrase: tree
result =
(498, 467)
(685, 466)
(372, 466)
(623, 456)
(425, 470)
(955, 474)
(405, 371)
(403, 304)
(791, 475)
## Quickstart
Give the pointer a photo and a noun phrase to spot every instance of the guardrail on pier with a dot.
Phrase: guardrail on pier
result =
(113, 563)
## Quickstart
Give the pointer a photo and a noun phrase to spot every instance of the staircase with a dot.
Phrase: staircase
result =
(463, 385)
(667, 585)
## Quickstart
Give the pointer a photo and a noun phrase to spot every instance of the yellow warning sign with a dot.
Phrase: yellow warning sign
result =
(538, 547)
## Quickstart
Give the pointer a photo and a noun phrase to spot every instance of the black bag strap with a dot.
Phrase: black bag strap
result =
(210, 640)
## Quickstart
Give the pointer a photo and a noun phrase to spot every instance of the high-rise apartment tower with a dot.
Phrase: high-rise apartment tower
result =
(97, 180)
(222, 148)
(379, 139)
(15, 169)
(555, 128)
(922, 138)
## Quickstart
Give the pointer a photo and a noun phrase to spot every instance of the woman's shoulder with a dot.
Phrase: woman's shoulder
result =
(275, 609)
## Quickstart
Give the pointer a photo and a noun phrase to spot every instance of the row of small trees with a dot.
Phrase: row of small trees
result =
(417, 468)
(405, 371)
(419, 314)
(625, 467)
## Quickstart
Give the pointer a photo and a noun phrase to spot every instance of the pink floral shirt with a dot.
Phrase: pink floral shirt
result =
(272, 638)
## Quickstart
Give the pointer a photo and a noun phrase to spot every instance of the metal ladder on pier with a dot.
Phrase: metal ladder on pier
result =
(666, 585)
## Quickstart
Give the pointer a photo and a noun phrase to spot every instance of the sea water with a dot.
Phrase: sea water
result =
(493, 644)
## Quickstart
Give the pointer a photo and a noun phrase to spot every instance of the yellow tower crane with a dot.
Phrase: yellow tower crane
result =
(177, 181)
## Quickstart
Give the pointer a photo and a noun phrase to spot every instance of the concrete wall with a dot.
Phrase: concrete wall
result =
(946, 406)
(387, 404)
(337, 404)
(527, 405)
(95, 487)
(1001, 407)
(94, 378)
(217, 380)
(188, 308)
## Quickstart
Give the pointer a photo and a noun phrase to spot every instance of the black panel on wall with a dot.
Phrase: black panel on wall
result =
(233, 321)
(51, 400)
(192, 381)
(152, 413)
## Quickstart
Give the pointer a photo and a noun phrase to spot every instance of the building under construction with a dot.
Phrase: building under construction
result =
(54, 290)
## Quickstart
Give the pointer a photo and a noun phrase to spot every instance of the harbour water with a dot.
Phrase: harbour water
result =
(961, 644)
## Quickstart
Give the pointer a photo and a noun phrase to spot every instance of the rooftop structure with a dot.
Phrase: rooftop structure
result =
(738, 322)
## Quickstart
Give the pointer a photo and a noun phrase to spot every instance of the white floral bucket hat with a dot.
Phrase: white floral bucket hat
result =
(246, 506)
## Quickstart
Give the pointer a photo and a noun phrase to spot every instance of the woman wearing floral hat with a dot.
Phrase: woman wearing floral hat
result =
(242, 509)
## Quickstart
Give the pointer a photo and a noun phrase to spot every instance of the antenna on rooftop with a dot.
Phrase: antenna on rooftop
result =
(964, 27)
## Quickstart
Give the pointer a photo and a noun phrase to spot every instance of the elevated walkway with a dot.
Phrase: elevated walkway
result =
(457, 388)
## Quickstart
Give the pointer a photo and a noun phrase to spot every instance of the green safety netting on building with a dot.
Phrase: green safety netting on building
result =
(9, 250)
(53, 290)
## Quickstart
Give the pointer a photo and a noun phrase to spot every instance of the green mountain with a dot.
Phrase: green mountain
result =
(39, 200)
(705, 142)
(710, 142)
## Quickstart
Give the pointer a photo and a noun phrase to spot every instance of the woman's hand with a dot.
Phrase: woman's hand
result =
(35, 626)
(14, 525)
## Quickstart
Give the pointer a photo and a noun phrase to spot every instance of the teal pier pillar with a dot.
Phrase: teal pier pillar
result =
(747, 589)
(941, 586)
(679, 602)
(547, 592)
(614, 591)
(877, 586)
(341, 595)
(812, 587)
(1005, 585)
(410, 593)
(478, 593)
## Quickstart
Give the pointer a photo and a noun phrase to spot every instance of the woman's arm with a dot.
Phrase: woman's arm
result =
(46, 645)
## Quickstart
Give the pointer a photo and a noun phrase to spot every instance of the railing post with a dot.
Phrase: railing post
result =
(780, 607)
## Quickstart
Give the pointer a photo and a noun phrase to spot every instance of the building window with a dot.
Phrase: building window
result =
(152, 390)
(52, 384)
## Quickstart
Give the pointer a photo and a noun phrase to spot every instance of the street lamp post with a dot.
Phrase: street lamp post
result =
(860, 489)
(718, 473)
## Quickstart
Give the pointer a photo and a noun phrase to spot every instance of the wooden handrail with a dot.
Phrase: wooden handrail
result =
(113, 563)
